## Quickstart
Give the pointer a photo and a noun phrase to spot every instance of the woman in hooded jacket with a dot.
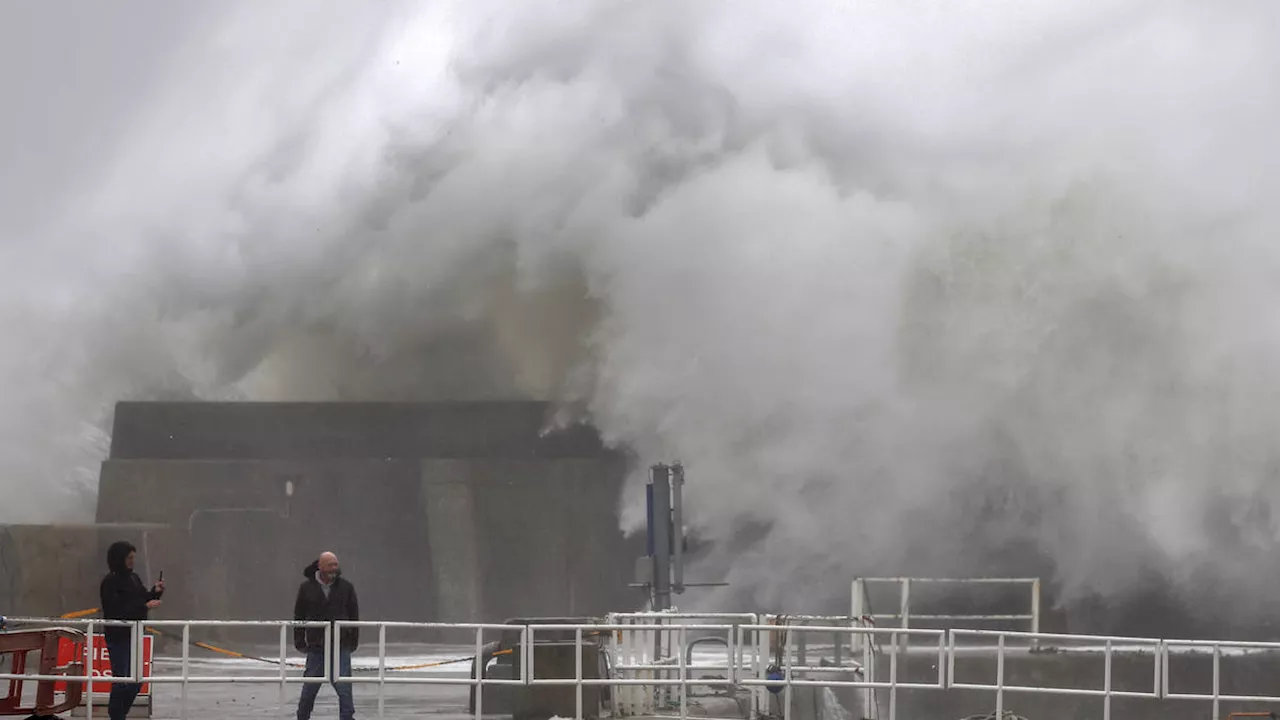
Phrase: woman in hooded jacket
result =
(124, 597)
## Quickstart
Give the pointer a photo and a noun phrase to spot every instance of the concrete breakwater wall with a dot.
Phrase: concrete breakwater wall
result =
(439, 512)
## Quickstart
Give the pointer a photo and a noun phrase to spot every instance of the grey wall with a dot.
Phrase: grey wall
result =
(248, 542)
(459, 511)
(458, 540)
(512, 538)
(49, 570)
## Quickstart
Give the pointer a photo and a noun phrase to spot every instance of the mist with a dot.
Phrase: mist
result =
(912, 287)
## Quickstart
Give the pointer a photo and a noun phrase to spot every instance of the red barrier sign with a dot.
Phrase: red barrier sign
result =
(69, 651)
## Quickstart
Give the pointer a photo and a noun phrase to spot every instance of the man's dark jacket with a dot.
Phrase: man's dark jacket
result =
(313, 605)
(123, 595)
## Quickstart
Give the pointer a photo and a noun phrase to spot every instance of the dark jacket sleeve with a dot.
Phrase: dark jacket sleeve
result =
(109, 593)
(353, 613)
(299, 613)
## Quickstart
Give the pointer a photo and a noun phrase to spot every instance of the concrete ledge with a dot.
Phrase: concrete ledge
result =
(365, 430)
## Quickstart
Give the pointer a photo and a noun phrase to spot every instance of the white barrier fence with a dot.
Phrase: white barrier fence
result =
(654, 669)
(649, 645)
(862, 608)
(93, 627)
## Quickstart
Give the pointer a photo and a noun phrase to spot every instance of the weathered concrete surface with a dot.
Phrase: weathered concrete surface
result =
(511, 538)
(465, 511)
(249, 539)
(451, 539)
(49, 570)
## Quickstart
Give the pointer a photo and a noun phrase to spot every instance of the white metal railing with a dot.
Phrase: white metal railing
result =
(898, 640)
(1108, 647)
(137, 676)
(640, 653)
(760, 658)
(861, 646)
(861, 607)
(1215, 647)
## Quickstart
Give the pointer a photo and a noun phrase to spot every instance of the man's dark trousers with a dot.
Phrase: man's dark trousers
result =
(120, 653)
(315, 668)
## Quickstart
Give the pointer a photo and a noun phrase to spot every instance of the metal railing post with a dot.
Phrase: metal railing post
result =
(1157, 687)
(858, 605)
(762, 668)
(577, 673)
(857, 609)
(382, 672)
(328, 652)
(88, 669)
(284, 658)
(524, 653)
(1164, 673)
(786, 674)
(186, 669)
(1106, 683)
(893, 677)
(1000, 678)
(1035, 605)
(905, 603)
(528, 654)
(1035, 613)
(1217, 679)
(684, 676)
(135, 657)
(622, 694)
(869, 672)
(752, 670)
(480, 663)
(734, 659)
(944, 677)
(951, 658)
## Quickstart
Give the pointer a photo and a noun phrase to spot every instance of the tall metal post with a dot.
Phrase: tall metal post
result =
(660, 482)
(677, 528)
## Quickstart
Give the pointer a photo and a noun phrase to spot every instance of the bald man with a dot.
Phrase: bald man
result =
(326, 595)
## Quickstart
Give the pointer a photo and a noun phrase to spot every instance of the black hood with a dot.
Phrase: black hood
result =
(117, 554)
(309, 572)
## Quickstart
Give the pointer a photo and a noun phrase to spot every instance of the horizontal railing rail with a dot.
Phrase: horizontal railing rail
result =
(861, 607)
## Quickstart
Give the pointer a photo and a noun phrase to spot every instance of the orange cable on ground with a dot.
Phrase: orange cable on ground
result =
(79, 614)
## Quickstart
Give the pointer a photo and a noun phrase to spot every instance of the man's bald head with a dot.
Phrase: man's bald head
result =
(328, 566)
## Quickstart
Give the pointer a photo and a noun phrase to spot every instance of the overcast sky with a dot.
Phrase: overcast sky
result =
(74, 76)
